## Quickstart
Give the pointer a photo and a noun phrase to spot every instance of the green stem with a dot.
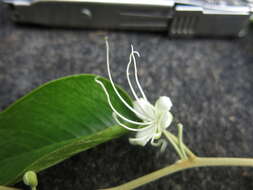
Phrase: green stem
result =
(174, 144)
(169, 135)
(183, 165)
(180, 140)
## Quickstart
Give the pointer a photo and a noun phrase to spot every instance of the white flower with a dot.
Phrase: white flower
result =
(155, 118)
(160, 116)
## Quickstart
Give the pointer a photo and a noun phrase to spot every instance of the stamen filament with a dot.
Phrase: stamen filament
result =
(114, 110)
(131, 86)
(113, 85)
(128, 74)
(136, 74)
(129, 128)
(136, 79)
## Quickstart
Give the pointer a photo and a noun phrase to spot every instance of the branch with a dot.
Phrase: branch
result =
(183, 165)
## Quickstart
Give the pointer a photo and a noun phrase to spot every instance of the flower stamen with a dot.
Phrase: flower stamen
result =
(136, 73)
(155, 118)
(114, 110)
(128, 76)
(113, 85)
(129, 128)
(131, 56)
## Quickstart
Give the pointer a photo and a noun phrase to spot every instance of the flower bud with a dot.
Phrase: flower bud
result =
(30, 179)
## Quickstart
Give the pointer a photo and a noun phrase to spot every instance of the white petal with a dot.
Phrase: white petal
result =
(163, 104)
(165, 120)
(144, 108)
(142, 137)
(149, 131)
(139, 141)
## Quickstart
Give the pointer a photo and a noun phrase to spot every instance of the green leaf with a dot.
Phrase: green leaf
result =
(54, 122)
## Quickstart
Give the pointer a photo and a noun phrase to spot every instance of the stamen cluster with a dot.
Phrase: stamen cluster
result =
(155, 118)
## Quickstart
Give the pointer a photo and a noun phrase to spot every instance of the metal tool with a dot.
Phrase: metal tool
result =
(179, 18)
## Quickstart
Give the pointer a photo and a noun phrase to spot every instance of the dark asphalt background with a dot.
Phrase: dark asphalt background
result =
(210, 82)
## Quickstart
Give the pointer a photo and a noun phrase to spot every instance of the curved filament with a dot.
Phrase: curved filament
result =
(113, 85)
(136, 78)
(129, 128)
(136, 73)
(114, 110)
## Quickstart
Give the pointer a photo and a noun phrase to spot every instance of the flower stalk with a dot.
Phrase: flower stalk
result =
(183, 165)
(192, 161)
